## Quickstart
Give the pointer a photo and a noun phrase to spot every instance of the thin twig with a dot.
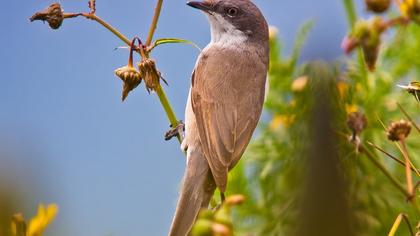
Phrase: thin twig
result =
(408, 176)
(155, 20)
(389, 155)
(408, 117)
(382, 168)
(397, 223)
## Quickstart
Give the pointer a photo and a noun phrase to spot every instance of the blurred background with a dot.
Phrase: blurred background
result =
(65, 136)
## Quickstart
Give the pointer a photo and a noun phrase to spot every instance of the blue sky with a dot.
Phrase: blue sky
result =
(65, 136)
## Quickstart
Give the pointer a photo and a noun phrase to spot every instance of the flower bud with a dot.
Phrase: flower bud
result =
(377, 6)
(150, 74)
(367, 35)
(131, 78)
(53, 15)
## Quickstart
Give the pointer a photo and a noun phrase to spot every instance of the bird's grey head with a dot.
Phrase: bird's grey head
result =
(234, 22)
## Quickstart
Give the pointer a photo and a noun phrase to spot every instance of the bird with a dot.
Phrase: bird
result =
(224, 104)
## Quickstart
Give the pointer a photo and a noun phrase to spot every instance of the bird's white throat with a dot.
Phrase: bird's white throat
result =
(224, 34)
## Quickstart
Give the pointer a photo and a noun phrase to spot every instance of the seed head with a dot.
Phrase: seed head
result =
(53, 15)
(357, 122)
(130, 77)
(150, 74)
(378, 6)
(398, 131)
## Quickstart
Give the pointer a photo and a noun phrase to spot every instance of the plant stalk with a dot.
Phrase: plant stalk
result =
(155, 20)
(159, 91)
(382, 168)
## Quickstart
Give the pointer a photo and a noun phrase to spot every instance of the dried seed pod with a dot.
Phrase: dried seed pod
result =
(357, 122)
(377, 6)
(53, 15)
(150, 74)
(399, 130)
(131, 78)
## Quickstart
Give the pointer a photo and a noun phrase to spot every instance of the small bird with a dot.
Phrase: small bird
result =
(224, 103)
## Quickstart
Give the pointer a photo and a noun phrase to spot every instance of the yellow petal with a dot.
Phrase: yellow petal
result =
(44, 217)
(350, 108)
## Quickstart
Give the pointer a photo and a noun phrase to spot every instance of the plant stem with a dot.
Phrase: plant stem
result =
(350, 11)
(397, 223)
(382, 168)
(409, 179)
(159, 90)
(155, 20)
(408, 117)
(108, 27)
(389, 155)
(168, 109)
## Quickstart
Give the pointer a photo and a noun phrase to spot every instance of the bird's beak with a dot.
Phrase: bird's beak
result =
(204, 6)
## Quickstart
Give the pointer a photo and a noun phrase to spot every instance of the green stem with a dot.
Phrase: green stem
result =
(108, 27)
(350, 12)
(168, 109)
(374, 160)
(159, 90)
(155, 20)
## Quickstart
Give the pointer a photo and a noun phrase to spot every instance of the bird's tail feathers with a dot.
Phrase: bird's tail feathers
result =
(196, 193)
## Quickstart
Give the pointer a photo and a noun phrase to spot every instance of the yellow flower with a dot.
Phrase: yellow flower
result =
(342, 89)
(285, 120)
(44, 217)
(350, 108)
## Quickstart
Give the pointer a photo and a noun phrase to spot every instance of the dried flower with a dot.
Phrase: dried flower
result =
(367, 35)
(53, 15)
(357, 122)
(398, 131)
(150, 74)
(19, 227)
(377, 6)
(131, 78)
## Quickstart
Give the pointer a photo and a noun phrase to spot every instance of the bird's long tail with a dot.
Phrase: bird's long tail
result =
(196, 192)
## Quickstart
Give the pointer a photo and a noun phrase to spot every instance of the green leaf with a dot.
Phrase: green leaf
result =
(172, 40)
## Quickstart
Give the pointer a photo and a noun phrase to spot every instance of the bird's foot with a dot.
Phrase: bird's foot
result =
(175, 131)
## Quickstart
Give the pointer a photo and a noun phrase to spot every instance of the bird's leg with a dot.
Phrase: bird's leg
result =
(175, 131)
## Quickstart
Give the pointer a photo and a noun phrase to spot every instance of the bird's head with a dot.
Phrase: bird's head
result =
(234, 21)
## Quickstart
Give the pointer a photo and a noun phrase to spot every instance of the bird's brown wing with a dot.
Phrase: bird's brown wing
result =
(227, 100)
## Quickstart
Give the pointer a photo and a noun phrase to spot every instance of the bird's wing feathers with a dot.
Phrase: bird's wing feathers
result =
(224, 112)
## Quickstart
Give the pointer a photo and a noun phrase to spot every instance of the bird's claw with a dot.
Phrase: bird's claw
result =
(175, 131)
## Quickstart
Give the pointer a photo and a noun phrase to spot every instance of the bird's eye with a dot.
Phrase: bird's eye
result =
(232, 11)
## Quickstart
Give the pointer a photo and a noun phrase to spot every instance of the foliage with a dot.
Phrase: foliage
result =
(272, 170)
